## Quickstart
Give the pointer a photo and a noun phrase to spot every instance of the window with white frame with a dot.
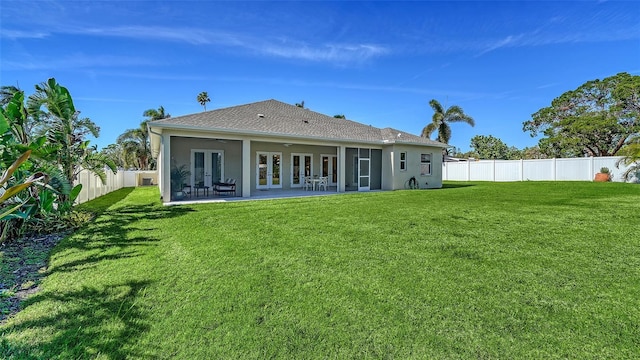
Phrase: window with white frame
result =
(425, 164)
(403, 161)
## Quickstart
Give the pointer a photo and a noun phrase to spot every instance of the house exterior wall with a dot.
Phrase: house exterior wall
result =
(181, 154)
(176, 146)
(398, 177)
(285, 160)
(388, 179)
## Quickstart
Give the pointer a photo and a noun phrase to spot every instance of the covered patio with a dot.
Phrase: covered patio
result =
(269, 194)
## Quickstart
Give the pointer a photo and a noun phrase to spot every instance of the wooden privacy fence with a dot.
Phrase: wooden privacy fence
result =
(580, 169)
(92, 186)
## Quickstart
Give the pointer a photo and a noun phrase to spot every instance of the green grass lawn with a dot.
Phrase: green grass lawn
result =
(473, 270)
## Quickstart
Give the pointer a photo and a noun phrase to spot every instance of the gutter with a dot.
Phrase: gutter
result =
(288, 136)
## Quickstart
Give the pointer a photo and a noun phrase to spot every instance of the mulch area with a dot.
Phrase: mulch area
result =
(23, 263)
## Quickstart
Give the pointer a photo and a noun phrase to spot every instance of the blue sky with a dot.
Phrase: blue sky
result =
(378, 63)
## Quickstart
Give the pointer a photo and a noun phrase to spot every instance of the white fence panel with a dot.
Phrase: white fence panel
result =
(92, 186)
(455, 171)
(538, 170)
(130, 179)
(576, 169)
(481, 171)
(507, 170)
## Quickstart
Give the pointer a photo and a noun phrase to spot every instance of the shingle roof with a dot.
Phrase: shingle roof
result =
(273, 117)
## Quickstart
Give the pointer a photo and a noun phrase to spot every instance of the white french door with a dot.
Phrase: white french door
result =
(329, 168)
(301, 165)
(268, 174)
(207, 167)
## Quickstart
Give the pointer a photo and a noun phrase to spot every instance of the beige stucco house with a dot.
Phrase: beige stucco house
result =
(272, 145)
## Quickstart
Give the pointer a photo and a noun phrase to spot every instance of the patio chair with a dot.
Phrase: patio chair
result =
(228, 187)
(186, 189)
(324, 180)
(308, 182)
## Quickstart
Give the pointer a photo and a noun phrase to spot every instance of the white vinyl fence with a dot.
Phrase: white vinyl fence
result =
(580, 169)
(92, 186)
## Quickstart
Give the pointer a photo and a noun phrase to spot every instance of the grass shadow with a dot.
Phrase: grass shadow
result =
(91, 319)
(107, 237)
(102, 203)
(98, 322)
(455, 186)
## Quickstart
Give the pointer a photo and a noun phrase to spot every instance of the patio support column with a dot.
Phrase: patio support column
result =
(342, 153)
(246, 168)
(165, 147)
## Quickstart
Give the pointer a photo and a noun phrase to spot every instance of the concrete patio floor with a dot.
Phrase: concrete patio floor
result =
(256, 195)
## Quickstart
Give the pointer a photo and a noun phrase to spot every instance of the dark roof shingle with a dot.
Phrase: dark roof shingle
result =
(277, 118)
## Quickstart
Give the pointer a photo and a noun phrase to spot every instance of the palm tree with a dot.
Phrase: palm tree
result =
(441, 119)
(203, 99)
(153, 114)
(134, 144)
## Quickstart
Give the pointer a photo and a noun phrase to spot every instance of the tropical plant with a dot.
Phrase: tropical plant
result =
(631, 159)
(52, 108)
(339, 116)
(442, 118)
(300, 104)
(6, 94)
(179, 176)
(203, 99)
(597, 119)
(19, 198)
(11, 202)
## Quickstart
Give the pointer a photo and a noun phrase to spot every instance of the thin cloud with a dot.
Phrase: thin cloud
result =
(510, 40)
(286, 49)
(19, 34)
(557, 32)
(191, 36)
(289, 49)
(77, 61)
(330, 53)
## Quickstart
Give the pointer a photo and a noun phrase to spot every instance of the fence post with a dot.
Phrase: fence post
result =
(591, 167)
(494, 170)
(468, 170)
(554, 174)
(521, 169)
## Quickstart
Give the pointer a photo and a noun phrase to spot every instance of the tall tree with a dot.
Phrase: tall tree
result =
(492, 148)
(442, 118)
(203, 99)
(597, 119)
